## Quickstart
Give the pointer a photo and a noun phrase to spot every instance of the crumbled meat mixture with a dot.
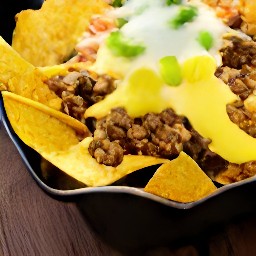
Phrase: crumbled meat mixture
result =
(161, 135)
(243, 118)
(239, 52)
(106, 152)
(242, 83)
(237, 172)
(79, 91)
(197, 148)
(238, 72)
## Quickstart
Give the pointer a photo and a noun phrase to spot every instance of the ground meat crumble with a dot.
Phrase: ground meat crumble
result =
(161, 135)
(239, 73)
(79, 91)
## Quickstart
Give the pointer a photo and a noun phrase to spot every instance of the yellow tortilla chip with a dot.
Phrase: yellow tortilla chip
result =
(232, 174)
(48, 36)
(54, 136)
(20, 77)
(78, 163)
(63, 69)
(247, 12)
(235, 172)
(247, 9)
(29, 118)
(180, 180)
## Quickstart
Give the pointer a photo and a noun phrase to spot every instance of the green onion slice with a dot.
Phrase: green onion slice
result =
(122, 46)
(185, 14)
(170, 70)
(117, 3)
(170, 2)
(205, 38)
(121, 22)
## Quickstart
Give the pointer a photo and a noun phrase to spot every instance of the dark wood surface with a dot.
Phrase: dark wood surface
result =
(32, 223)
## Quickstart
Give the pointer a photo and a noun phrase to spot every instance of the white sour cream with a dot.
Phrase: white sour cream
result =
(148, 25)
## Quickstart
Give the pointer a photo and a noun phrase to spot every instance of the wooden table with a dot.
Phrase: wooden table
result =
(32, 223)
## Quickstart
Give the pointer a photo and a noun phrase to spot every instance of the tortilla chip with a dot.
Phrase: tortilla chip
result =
(235, 172)
(78, 163)
(180, 180)
(64, 69)
(230, 175)
(48, 36)
(247, 9)
(54, 136)
(20, 77)
(29, 118)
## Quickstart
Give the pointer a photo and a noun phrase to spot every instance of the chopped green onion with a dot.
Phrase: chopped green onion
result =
(117, 3)
(205, 38)
(170, 70)
(121, 46)
(186, 14)
(170, 2)
(120, 22)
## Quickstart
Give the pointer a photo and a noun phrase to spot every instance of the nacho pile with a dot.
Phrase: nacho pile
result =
(107, 91)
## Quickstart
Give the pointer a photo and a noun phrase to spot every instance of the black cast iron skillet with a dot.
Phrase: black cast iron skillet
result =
(129, 218)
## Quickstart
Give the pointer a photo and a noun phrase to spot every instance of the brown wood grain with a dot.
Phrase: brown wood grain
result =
(32, 223)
